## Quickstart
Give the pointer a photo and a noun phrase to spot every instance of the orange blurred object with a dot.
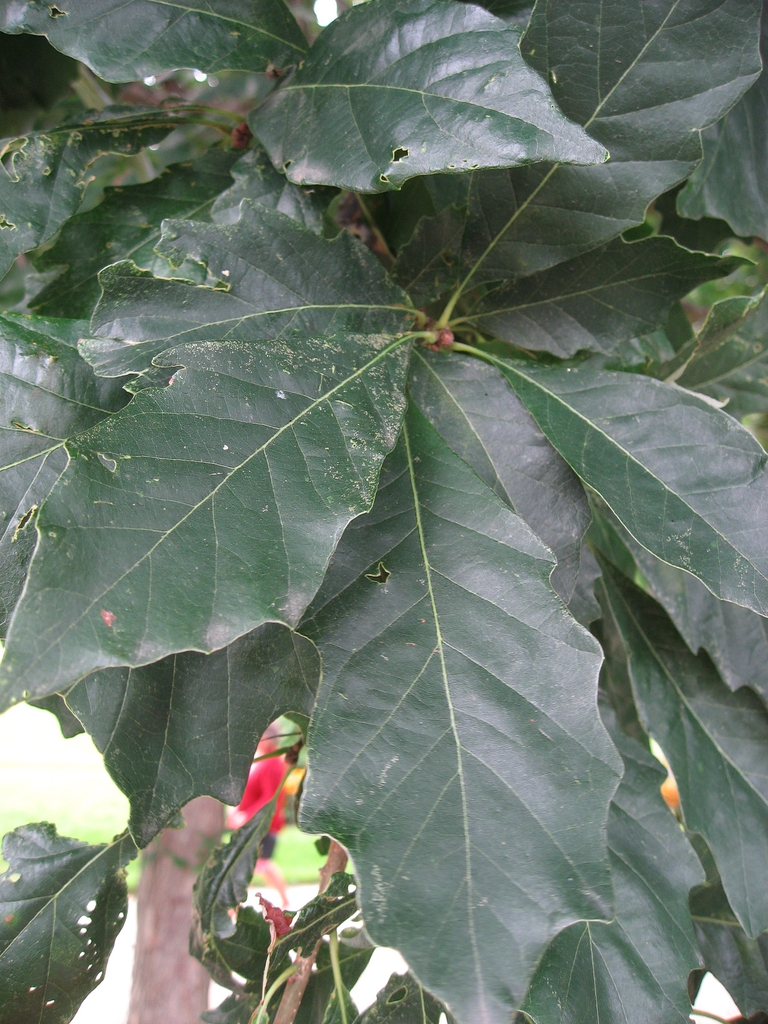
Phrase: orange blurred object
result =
(293, 781)
(670, 793)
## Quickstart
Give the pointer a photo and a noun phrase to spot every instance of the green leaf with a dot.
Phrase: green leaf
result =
(48, 393)
(661, 459)
(404, 1001)
(326, 912)
(221, 945)
(414, 87)
(598, 300)
(719, 349)
(706, 234)
(738, 962)
(734, 637)
(206, 508)
(276, 278)
(464, 758)
(625, 84)
(126, 225)
(47, 171)
(62, 904)
(188, 726)
(635, 968)
(123, 40)
(475, 411)
(730, 181)
(730, 350)
(713, 739)
(256, 179)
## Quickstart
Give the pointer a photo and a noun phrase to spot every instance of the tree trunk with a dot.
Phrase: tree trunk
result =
(169, 986)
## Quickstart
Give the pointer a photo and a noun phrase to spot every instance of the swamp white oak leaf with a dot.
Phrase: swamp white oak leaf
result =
(414, 87)
(256, 179)
(476, 412)
(125, 225)
(403, 1001)
(188, 725)
(276, 278)
(687, 480)
(738, 962)
(730, 182)
(596, 301)
(123, 40)
(43, 174)
(728, 359)
(62, 905)
(205, 508)
(467, 755)
(635, 968)
(713, 739)
(642, 83)
(47, 394)
(735, 638)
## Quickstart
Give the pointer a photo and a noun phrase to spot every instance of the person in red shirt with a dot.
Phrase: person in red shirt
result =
(264, 779)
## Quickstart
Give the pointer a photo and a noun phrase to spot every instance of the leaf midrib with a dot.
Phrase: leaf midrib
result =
(523, 206)
(452, 716)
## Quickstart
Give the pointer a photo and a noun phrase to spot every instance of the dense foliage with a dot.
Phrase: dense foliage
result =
(415, 409)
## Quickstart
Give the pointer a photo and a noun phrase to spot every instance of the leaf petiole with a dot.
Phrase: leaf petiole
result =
(260, 1013)
(336, 968)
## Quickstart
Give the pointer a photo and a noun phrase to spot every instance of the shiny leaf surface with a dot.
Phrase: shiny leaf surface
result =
(734, 637)
(635, 968)
(62, 905)
(47, 171)
(47, 394)
(483, 421)
(126, 225)
(276, 278)
(404, 1001)
(206, 508)
(188, 726)
(661, 458)
(123, 41)
(458, 662)
(713, 739)
(625, 84)
(598, 300)
(438, 87)
(730, 181)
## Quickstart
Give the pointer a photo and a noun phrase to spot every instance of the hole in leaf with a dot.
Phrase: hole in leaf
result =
(107, 463)
(90, 906)
(383, 177)
(23, 522)
(397, 996)
(381, 575)
(400, 154)
(56, 12)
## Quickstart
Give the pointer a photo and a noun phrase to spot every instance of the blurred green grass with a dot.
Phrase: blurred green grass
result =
(44, 777)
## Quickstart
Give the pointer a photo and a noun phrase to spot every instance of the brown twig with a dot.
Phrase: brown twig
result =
(297, 983)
